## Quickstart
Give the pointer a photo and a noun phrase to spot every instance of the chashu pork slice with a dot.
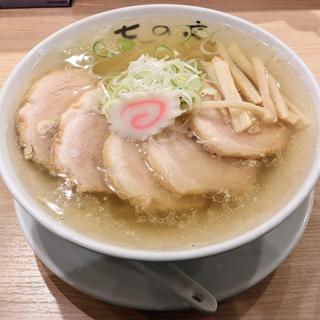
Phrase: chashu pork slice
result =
(220, 139)
(184, 167)
(77, 150)
(132, 180)
(46, 101)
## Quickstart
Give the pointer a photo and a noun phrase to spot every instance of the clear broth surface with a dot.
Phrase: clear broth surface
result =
(111, 220)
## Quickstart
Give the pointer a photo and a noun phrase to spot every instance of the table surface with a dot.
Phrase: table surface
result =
(29, 291)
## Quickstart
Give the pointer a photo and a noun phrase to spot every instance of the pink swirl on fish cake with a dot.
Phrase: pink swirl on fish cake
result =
(134, 121)
(139, 115)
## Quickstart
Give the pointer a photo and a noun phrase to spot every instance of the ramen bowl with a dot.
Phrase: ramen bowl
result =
(19, 79)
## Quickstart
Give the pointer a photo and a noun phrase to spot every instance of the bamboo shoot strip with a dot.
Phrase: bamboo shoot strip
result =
(293, 119)
(242, 82)
(240, 119)
(243, 63)
(223, 53)
(303, 120)
(209, 68)
(263, 86)
(245, 86)
(223, 111)
(217, 96)
(210, 87)
(295, 116)
(215, 93)
(205, 64)
(282, 109)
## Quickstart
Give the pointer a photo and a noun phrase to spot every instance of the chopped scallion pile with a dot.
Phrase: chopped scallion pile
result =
(152, 74)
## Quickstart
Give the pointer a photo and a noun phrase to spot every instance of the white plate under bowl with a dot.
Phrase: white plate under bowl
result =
(116, 281)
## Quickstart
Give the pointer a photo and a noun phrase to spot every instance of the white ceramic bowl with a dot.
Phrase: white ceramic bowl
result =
(21, 73)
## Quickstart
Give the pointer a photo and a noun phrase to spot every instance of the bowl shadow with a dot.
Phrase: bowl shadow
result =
(69, 298)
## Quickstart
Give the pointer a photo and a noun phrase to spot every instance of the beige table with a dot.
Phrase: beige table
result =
(29, 291)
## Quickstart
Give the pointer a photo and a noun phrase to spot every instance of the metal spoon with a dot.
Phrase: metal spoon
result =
(178, 281)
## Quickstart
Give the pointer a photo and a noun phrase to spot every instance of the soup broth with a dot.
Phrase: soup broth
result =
(107, 218)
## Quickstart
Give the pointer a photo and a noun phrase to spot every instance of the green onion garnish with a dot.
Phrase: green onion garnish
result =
(163, 52)
(201, 33)
(101, 49)
(126, 45)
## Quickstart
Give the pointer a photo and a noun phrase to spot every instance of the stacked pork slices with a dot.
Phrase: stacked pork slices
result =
(61, 128)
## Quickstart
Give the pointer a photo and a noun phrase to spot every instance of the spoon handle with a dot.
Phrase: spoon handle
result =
(182, 284)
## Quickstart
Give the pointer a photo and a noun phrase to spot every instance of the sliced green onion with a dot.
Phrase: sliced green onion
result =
(126, 45)
(201, 33)
(101, 49)
(164, 52)
(209, 43)
(194, 83)
(196, 99)
(175, 68)
(149, 73)
(188, 31)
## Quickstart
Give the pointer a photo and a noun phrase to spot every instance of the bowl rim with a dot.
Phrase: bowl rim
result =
(34, 209)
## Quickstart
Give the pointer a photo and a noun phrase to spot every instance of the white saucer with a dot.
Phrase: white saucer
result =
(116, 281)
